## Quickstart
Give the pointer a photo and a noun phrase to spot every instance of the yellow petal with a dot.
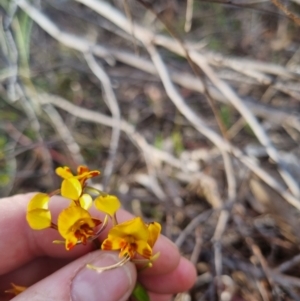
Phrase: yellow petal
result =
(135, 228)
(143, 249)
(39, 219)
(39, 201)
(86, 201)
(154, 231)
(108, 204)
(64, 172)
(68, 218)
(71, 189)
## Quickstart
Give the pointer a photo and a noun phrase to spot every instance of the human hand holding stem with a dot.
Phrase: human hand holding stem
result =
(72, 280)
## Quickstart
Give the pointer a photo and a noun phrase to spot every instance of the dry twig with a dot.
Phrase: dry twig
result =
(112, 104)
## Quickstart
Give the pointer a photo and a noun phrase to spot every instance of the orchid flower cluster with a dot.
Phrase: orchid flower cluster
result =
(134, 239)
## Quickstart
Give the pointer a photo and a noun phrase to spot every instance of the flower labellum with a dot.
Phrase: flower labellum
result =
(76, 225)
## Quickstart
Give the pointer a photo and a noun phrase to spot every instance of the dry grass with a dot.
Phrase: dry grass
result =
(190, 109)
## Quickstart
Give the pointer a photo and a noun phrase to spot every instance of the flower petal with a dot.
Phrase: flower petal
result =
(154, 231)
(108, 204)
(86, 201)
(135, 228)
(39, 219)
(71, 188)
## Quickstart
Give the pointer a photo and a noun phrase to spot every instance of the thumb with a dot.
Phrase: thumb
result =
(75, 282)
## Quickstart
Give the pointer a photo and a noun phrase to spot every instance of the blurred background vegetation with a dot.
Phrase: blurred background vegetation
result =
(189, 108)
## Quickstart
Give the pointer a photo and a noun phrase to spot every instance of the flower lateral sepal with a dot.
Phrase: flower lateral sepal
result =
(120, 263)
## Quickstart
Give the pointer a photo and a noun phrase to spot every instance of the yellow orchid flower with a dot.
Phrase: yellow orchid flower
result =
(83, 173)
(38, 215)
(76, 225)
(129, 237)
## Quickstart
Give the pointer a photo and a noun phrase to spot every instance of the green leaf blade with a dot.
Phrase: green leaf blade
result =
(139, 293)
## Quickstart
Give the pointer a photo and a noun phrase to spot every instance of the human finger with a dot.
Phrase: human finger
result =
(159, 297)
(179, 280)
(78, 283)
(32, 272)
(19, 243)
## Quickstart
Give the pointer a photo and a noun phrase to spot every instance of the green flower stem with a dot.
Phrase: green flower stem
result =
(55, 192)
(54, 226)
(139, 293)
(114, 219)
(95, 190)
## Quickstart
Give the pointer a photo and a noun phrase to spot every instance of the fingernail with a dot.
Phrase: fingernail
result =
(110, 285)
